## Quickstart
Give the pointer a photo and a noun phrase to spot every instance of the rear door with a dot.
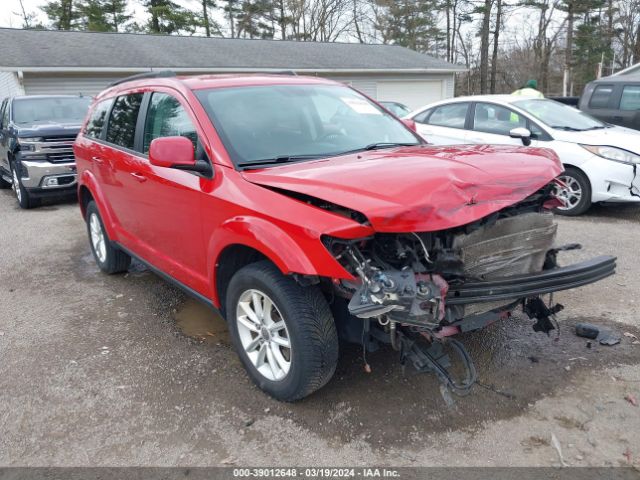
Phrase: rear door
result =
(117, 165)
(444, 124)
(603, 103)
(630, 106)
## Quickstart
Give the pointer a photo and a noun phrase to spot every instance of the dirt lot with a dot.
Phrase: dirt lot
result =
(124, 370)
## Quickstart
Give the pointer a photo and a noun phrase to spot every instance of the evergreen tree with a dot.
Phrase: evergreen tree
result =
(168, 17)
(410, 23)
(62, 14)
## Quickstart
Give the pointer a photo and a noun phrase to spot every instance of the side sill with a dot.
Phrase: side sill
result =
(169, 279)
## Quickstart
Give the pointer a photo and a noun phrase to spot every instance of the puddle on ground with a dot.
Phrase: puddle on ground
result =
(196, 320)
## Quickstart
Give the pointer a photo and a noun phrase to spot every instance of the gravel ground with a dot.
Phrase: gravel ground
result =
(124, 370)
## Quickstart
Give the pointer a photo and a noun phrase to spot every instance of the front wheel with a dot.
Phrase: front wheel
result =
(283, 332)
(109, 258)
(576, 194)
(25, 199)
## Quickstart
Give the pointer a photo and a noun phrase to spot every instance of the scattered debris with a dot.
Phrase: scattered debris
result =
(609, 339)
(631, 399)
(577, 358)
(635, 342)
(587, 330)
(627, 454)
(630, 335)
(228, 461)
(533, 359)
(556, 445)
(1, 334)
(588, 344)
(267, 410)
(249, 422)
(567, 368)
(120, 295)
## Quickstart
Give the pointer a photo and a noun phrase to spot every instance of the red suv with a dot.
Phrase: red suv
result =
(305, 212)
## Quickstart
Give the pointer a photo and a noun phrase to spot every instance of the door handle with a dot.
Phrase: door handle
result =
(139, 177)
(97, 159)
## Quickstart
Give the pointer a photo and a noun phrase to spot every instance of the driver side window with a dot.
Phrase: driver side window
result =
(491, 118)
(166, 117)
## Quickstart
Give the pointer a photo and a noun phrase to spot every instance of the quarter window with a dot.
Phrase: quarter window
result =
(5, 114)
(495, 119)
(453, 115)
(600, 97)
(122, 121)
(630, 98)
(167, 118)
(97, 120)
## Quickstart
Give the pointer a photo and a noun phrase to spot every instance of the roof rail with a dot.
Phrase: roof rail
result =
(141, 76)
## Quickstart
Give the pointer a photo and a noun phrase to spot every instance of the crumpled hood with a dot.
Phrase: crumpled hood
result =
(620, 137)
(422, 188)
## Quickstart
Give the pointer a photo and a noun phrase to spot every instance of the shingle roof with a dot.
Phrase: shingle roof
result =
(47, 49)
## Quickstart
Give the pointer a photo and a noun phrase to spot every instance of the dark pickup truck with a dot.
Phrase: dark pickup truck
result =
(36, 140)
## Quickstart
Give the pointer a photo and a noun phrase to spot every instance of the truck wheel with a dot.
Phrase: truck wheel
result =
(577, 194)
(284, 333)
(25, 200)
(109, 258)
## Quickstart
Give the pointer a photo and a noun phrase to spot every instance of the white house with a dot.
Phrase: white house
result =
(36, 62)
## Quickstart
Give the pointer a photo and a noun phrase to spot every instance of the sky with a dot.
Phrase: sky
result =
(11, 16)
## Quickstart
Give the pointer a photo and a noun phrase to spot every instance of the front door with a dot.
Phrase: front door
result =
(169, 209)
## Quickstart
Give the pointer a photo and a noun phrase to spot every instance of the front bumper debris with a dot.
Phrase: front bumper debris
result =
(534, 284)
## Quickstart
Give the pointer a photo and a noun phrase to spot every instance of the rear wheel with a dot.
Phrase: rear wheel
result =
(576, 194)
(284, 333)
(109, 258)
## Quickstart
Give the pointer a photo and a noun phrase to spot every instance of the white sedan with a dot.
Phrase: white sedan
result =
(600, 159)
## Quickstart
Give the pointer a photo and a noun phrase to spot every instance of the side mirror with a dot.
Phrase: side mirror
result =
(172, 152)
(523, 134)
(410, 124)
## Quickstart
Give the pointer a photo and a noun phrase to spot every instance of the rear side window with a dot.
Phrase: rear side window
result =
(5, 114)
(600, 97)
(167, 118)
(122, 121)
(630, 99)
(453, 115)
(97, 119)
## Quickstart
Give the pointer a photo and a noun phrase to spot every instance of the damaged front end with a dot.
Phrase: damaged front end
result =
(416, 290)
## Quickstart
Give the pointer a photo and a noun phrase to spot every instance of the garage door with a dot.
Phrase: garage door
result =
(412, 94)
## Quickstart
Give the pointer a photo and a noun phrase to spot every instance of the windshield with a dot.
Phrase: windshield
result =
(559, 116)
(31, 111)
(282, 122)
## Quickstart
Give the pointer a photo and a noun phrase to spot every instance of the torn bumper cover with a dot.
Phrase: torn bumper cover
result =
(533, 284)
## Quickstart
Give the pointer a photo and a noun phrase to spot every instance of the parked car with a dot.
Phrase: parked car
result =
(614, 100)
(600, 160)
(306, 212)
(36, 145)
(397, 108)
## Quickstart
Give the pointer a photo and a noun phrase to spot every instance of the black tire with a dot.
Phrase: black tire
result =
(25, 199)
(585, 201)
(310, 327)
(4, 184)
(114, 260)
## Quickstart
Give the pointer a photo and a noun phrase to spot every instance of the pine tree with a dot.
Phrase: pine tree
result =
(168, 17)
(61, 13)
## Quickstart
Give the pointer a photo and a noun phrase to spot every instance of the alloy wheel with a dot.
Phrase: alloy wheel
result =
(571, 193)
(263, 334)
(16, 185)
(97, 238)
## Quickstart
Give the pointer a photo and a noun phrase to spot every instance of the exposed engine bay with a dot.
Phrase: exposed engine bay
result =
(416, 290)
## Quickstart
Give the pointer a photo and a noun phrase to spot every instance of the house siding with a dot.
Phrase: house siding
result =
(10, 85)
